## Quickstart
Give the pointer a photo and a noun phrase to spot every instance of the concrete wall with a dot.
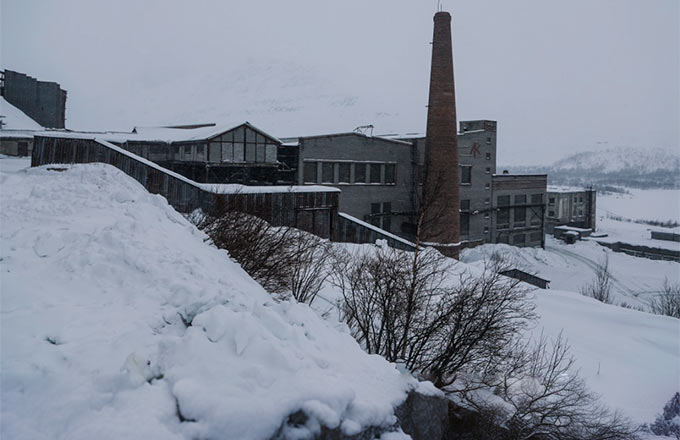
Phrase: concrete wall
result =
(514, 188)
(44, 102)
(359, 150)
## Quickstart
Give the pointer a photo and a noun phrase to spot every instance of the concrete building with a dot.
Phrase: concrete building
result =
(571, 207)
(374, 173)
(42, 101)
(518, 209)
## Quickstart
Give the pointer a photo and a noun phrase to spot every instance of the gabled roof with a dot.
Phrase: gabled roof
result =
(172, 134)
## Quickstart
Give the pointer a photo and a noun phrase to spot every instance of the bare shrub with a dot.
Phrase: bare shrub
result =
(285, 261)
(398, 305)
(668, 301)
(540, 395)
(666, 424)
(600, 287)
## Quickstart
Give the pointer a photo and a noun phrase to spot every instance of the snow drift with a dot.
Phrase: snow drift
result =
(119, 321)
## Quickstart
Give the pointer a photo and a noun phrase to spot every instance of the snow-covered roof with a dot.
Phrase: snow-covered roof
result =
(348, 133)
(156, 134)
(14, 119)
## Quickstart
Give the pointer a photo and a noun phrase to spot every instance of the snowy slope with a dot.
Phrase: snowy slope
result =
(630, 358)
(98, 280)
(14, 119)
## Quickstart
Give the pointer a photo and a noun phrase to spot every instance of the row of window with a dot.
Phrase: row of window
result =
(350, 172)
(519, 199)
(519, 218)
(532, 237)
(577, 199)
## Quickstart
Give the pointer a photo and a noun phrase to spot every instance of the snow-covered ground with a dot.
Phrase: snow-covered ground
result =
(641, 204)
(98, 277)
(99, 281)
(569, 267)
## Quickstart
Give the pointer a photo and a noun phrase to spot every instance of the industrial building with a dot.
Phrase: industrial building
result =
(445, 179)
(567, 206)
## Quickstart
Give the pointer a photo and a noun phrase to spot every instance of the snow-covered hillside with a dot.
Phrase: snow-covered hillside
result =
(119, 321)
(610, 160)
(622, 166)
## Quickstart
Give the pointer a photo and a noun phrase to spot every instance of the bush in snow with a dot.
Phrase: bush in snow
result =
(534, 392)
(285, 261)
(668, 423)
(398, 305)
(668, 302)
(601, 286)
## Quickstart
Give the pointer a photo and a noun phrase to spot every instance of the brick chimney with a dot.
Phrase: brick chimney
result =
(441, 190)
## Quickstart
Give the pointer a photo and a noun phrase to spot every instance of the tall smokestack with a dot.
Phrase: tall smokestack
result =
(441, 191)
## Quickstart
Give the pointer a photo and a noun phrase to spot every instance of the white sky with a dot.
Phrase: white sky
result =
(558, 76)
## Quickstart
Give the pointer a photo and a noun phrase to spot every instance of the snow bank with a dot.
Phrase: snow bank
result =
(99, 282)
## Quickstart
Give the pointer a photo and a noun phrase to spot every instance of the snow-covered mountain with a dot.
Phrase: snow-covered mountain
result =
(624, 166)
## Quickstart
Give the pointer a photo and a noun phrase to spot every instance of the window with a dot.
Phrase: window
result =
(486, 230)
(537, 199)
(536, 236)
(360, 173)
(486, 214)
(187, 152)
(464, 223)
(375, 173)
(381, 215)
(344, 172)
(551, 213)
(520, 217)
(487, 186)
(310, 172)
(465, 205)
(488, 156)
(488, 140)
(465, 174)
(503, 200)
(487, 170)
(390, 171)
(250, 152)
(518, 239)
(487, 201)
(535, 217)
(327, 169)
(551, 200)
(520, 199)
(503, 218)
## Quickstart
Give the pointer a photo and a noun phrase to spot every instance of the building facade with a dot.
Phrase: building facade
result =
(518, 202)
(43, 101)
(571, 207)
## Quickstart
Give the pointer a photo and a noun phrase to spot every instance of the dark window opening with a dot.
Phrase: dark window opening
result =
(390, 169)
(327, 169)
(375, 173)
(310, 172)
(360, 173)
(465, 174)
(343, 172)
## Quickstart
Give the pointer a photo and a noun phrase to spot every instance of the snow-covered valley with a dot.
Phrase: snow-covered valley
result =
(120, 321)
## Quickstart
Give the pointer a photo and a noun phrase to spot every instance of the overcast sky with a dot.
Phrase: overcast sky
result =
(558, 76)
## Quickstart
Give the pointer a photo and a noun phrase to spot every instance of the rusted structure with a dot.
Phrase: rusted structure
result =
(310, 209)
(440, 198)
